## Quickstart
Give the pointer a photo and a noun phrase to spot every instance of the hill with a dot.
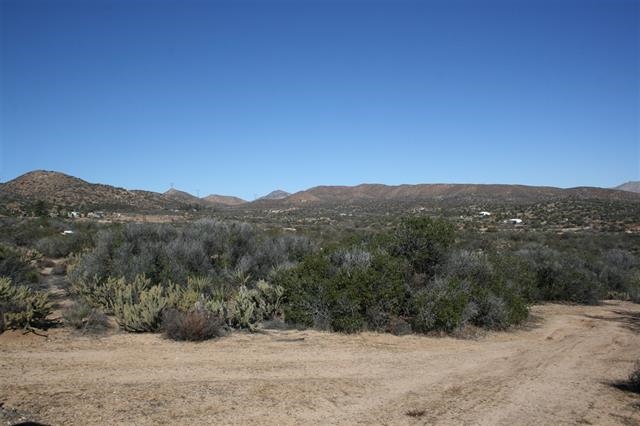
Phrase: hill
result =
(225, 200)
(182, 196)
(210, 200)
(59, 189)
(632, 186)
(278, 194)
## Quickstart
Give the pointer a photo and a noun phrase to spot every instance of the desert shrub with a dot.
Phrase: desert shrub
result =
(424, 242)
(57, 245)
(561, 276)
(16, 267)
(619, 271)
(206, 248)
(496, 290)
(306, 292)
(21, 307)
(347, 290)
(443, 305)
(194, 325)
(83, 317)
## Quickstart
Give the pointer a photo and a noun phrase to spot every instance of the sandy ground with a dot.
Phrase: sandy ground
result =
(559, 370)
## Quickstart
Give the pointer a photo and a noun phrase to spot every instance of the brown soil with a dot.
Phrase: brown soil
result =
(560, 370)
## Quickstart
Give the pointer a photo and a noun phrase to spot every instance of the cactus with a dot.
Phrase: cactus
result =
(21, 307)
(269, 300)
(243, 310)
(138, 307)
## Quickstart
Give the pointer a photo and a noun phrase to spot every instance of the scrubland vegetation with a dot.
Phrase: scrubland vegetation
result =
(197, 280)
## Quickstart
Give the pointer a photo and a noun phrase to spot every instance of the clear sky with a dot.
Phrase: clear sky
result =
(243, 97)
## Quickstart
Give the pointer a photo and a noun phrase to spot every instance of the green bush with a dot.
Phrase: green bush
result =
(345, 291)
(424, 242)
(441, 306)
(21, 307)
(562, 276)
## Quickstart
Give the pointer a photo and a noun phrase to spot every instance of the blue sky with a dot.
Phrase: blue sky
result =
(243, 97)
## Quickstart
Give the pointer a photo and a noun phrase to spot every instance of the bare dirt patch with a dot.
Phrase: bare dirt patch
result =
(558, 371)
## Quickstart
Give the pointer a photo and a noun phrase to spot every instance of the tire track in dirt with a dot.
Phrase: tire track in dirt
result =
(556, 372)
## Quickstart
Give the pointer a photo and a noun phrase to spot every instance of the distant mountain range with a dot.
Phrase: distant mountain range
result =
(462, 193)
(631, 186)
(60, 189)
(209, 200)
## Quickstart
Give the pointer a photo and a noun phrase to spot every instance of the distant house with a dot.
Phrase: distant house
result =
(67, 232)
(74, 215)
(513, 221)
(485, 214)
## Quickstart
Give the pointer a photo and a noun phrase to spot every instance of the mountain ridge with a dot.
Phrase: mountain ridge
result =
(61, 189)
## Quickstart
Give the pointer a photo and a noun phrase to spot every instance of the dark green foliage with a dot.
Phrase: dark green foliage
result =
(21, 307)
(346, 291)
(619, 273)
(561, 276)
(424, 242)
(440, 306)
(194, 325)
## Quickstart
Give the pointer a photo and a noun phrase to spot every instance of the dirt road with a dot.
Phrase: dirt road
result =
(558, 371)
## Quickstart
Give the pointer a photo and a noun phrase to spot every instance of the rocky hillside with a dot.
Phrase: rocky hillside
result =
(59, 189)
(182, 196)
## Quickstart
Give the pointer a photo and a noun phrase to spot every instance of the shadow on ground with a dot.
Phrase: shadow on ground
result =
(627, 319)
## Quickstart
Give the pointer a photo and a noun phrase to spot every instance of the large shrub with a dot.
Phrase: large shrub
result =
(347, 290)
(443, 305)
(562, 276)
(424, 242)
(497, 297)
(619, 273)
